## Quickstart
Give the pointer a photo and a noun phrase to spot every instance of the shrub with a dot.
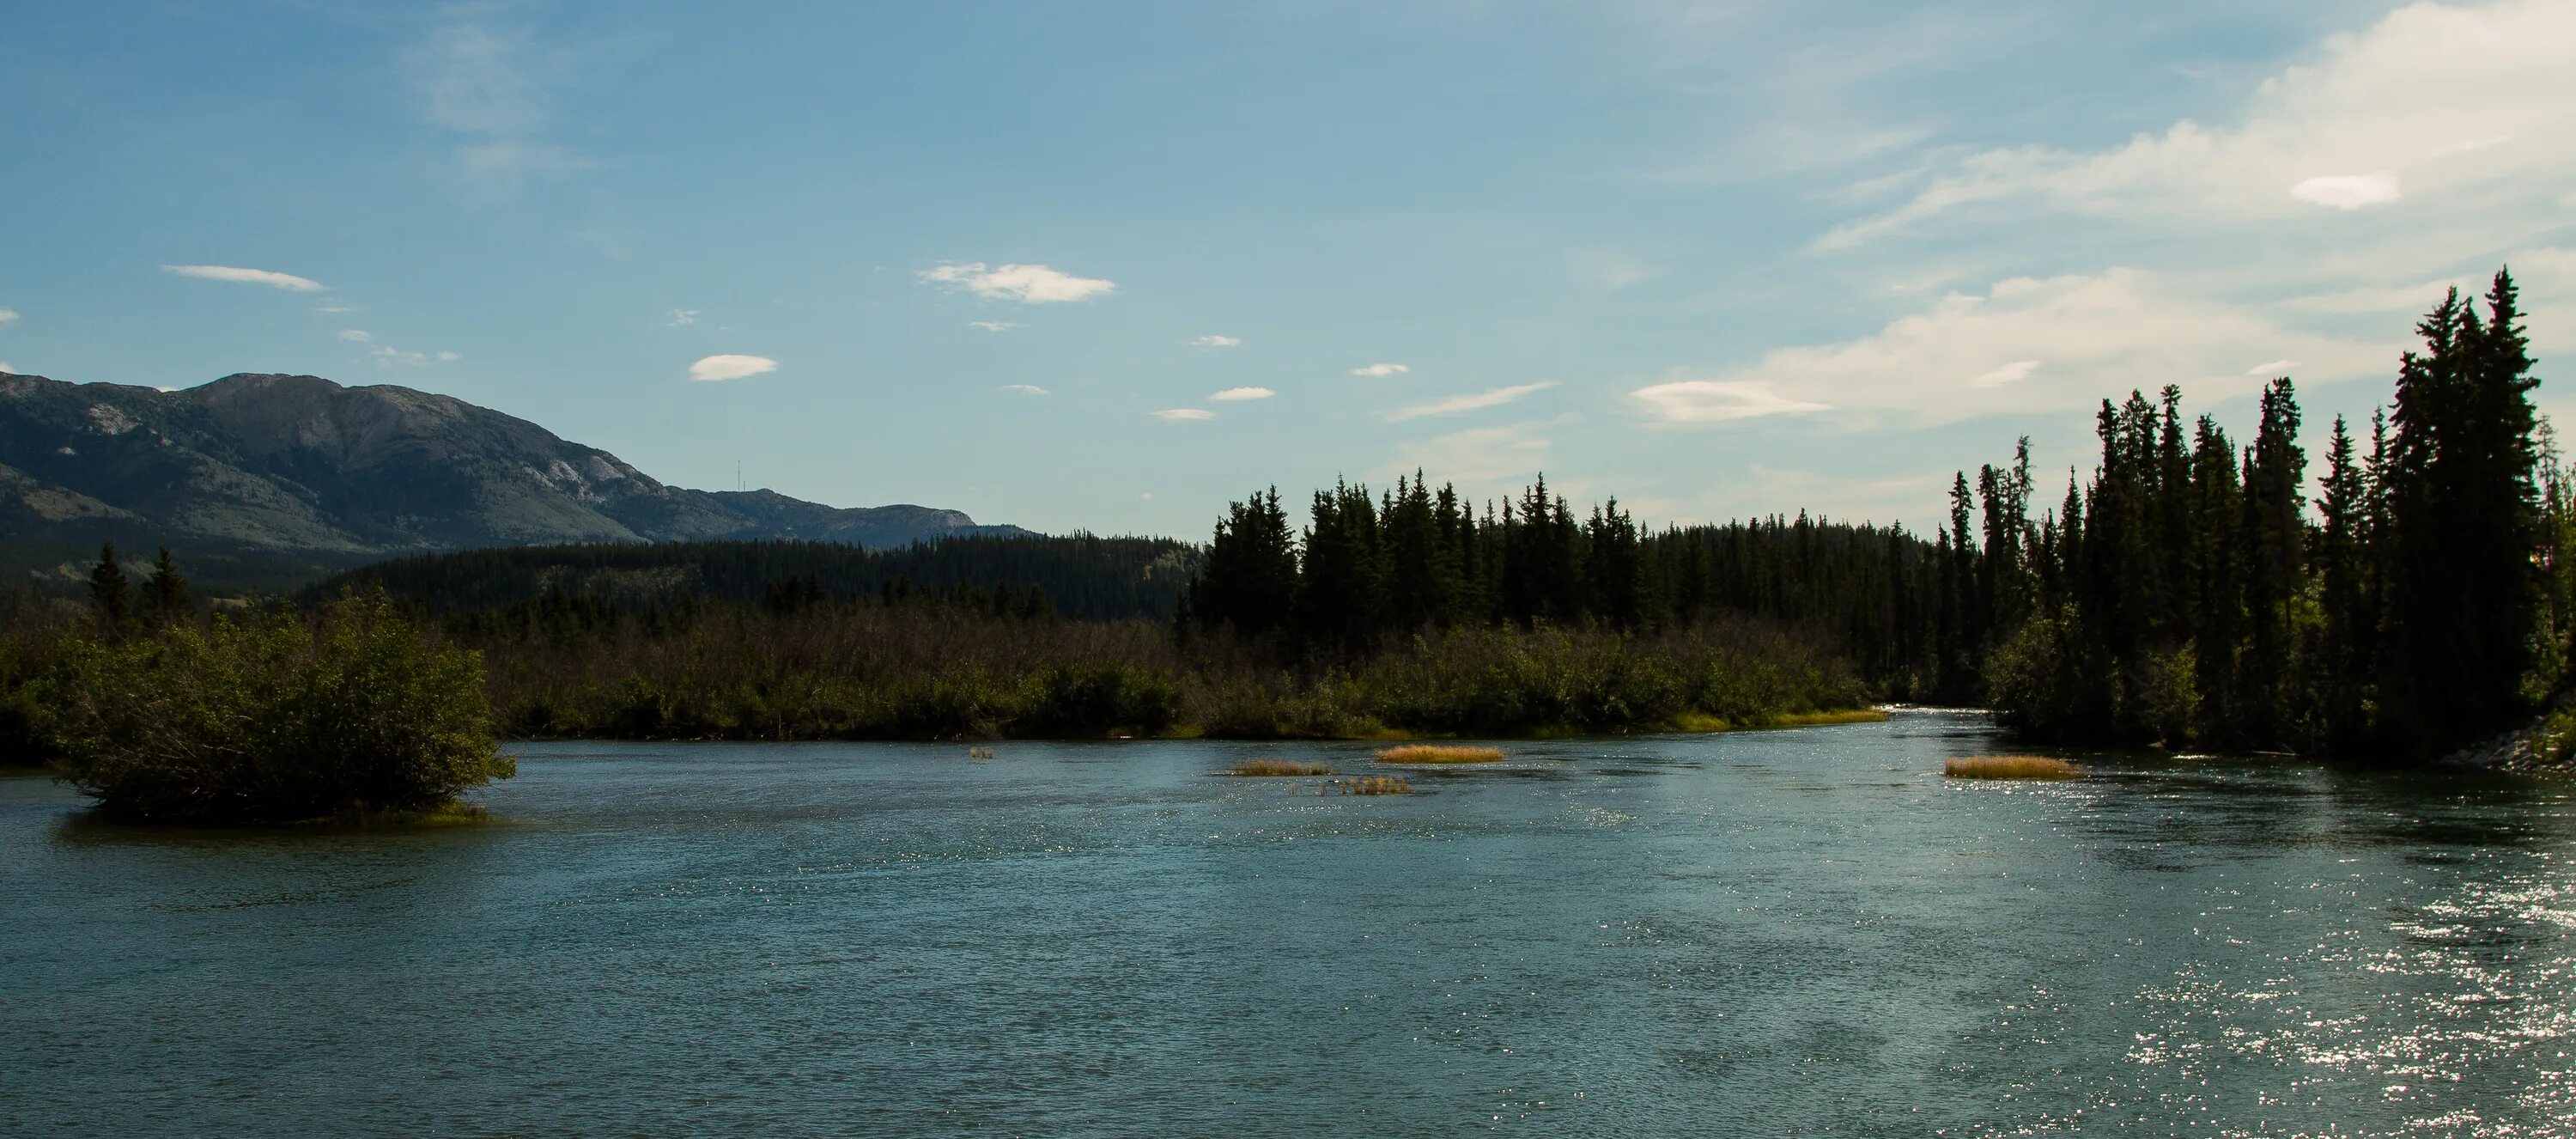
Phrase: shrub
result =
(269, 719)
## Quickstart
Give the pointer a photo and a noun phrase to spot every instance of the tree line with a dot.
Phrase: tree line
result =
(2190, 593)
(1367, 570)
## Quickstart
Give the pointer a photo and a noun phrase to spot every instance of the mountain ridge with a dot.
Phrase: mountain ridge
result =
(277, 463)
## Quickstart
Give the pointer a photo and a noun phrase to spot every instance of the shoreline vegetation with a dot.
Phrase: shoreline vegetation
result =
(2188, 596)
(2183, 597)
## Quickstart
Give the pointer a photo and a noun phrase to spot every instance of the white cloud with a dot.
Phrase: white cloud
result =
(681, 317)
(356, 336)
(1214, 341)
(2349, 191)
(730, 367)
(287, 281)
(2011, 373)
(2099, 335)
(2470, 107)
(334, 309)
(1475, 458)
(1381, 370)
(7, 315)
(2271, 368)
(1702, 402)
(1027, 284)
(1235, 395)
(450, 357)
(1182, 414)
(992, 325)
(1026, 389)
(1494, 397)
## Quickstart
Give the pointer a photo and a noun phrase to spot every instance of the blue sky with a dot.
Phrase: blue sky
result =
(1108, 266)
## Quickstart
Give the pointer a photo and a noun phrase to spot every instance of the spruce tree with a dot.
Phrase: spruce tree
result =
(111, 596)
(2340, 666)
(167, 596)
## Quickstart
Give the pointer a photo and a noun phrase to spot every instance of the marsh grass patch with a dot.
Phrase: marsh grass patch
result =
(2009, 767)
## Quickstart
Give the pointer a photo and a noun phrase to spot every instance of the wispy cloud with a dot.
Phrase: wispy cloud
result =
(681, 317)
(2438, 103)
(1236, 395)
(1477, 458)
(1381, 371)
(992, 325)
(2025, 345)
(275, 280)
(1493, 397)
(1027, 284)
(492, 88)
(716, 369)
(1215, 341)
(356, 335)
(1026, 389)
(386, 355)
(336, 309)
(8, 315)
(1609, 269)
(1183, 414)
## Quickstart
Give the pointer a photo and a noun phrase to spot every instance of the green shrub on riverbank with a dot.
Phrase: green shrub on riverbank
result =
(271, 718)
(867, 671)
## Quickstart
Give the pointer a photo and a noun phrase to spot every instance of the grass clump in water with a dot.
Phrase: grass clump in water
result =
(1439, 753)
(1280, 767)
(2009, 767)
(1377, 785)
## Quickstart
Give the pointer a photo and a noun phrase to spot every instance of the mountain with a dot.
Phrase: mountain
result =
(298, 465)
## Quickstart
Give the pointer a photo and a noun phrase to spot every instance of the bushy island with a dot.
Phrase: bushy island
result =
(273, 716)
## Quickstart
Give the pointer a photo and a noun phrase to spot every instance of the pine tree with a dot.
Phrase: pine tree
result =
(2340, 666)
(1248, 581)
(168, 598)
(2274, 543)
(111, 596)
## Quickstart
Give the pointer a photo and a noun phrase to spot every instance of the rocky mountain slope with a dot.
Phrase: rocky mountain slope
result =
(271, 463)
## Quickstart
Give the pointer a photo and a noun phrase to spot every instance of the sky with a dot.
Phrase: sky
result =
(1110, 266)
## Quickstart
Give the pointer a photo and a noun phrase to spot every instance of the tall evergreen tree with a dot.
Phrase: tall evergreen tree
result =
(2340, 666)
(167, 597)
(111, 596)
(1249, 579)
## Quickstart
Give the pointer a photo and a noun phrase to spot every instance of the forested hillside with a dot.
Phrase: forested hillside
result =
(1079, 576)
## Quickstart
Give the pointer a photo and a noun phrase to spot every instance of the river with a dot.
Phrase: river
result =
(1760, 934)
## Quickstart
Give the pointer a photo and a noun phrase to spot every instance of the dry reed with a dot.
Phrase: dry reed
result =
(1280, 767)
(1439, 753)
(2009, 767)
(1377, 785)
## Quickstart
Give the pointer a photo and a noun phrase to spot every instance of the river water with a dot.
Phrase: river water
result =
(1805, 932)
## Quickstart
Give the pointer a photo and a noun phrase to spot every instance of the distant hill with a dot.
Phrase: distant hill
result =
(251, 467)
(1083, 576)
